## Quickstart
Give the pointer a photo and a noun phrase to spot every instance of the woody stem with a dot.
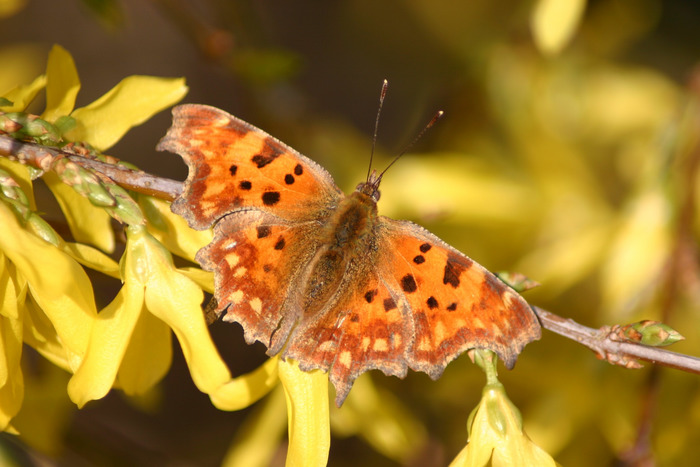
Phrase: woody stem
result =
(598, 341)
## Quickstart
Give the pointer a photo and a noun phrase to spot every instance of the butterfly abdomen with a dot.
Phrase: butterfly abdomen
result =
(347, 236)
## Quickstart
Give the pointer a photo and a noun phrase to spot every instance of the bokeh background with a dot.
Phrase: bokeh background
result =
(576, 165)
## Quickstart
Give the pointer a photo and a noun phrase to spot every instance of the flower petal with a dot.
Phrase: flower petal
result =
(204, 279)
(243, 391)
(10, 291)
(62, 84)
(176, 300)
(88, 223)
(108, 342)
(172, 230)
(147, 357)
(131, 102)
(40, 334)
(11, 379)
(92, 258)
(57, 282)
(495, 435)
(307, 409)
(554, 23)
(22, 96)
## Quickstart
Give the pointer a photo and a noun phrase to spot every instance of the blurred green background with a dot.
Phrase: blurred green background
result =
(577, 167)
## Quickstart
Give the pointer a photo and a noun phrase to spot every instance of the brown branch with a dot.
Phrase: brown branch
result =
(601, 341)
(42, 158)
(614, 351)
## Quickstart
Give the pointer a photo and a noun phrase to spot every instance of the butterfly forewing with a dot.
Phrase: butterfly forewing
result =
(234, 165)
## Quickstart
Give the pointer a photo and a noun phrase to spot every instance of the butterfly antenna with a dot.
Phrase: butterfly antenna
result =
(382, 95)
(432, 122)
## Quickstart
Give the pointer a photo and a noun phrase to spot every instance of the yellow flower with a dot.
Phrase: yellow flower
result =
(173, 232)
(554, 23)
(101, 124)
(496, 435)
(306, 395)
(307, 412)
(47, 302)
(47, 299)
(11, 378)
(56, 284)
(130, 342)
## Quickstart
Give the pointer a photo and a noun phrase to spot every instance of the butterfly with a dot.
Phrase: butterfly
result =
(319, 275)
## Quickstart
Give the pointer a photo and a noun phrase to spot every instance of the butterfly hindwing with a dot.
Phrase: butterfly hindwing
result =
(257, 260)
(365, 329)
(455, 304)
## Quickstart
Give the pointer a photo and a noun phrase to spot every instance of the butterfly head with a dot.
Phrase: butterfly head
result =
(371, 186)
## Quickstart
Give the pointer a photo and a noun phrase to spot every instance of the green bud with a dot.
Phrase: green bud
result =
(11, 189)
(99, 195)
(651, 333)
(85, 182)
(9, 123)
(126, 210)
(64, 124)
(42, 229)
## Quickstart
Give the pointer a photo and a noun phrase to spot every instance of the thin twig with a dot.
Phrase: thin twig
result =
(601, 341)
(41, 157)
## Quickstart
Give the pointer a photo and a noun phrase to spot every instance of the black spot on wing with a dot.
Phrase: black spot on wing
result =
(369, 295)
(454, 267)
(268, 154)
(408, 283)
(263, 231)
(270, 198)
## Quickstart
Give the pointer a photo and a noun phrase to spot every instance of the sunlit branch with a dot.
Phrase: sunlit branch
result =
(43, 158)
(614, 351)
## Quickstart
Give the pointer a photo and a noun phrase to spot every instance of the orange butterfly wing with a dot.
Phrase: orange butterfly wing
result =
(419, 304)
(366, 329)
(258, 260)
(235, 166)
(455, 303)
(267, 201)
